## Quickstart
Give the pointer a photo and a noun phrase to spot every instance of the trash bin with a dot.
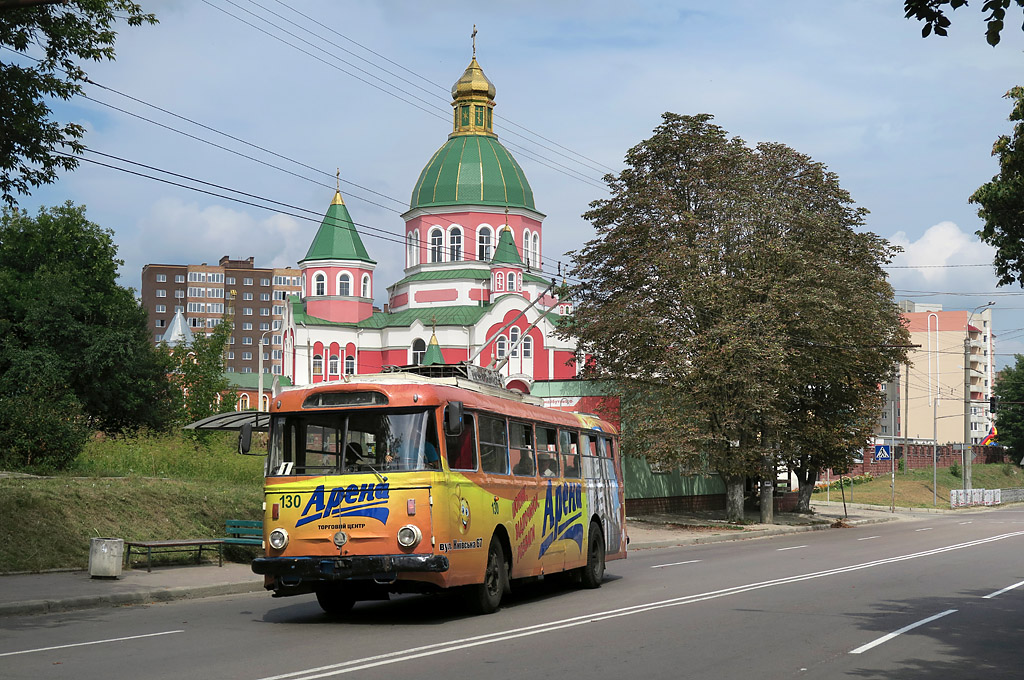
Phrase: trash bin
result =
(105, 556)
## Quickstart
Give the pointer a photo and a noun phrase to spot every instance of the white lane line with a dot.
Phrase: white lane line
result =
(672, 564)
(1000, 592)
(925, 529)
(961, 523)
(890, 636)
(867, 538)
(448, 646)
(93, 642)
(792, 547)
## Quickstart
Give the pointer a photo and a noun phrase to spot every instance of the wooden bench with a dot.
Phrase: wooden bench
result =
(175, 545)
(243, 532)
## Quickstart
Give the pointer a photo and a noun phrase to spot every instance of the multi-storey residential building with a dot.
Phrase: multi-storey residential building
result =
(929, 397)
(203, 293)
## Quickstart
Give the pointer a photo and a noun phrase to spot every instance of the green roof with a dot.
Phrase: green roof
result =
(472, 170)
(251, 381)
(433, 355)
(461, 274)
(573, 388)
(461, 315)
(337, 238)
(506, 252)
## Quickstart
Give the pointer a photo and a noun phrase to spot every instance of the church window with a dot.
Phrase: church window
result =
(527, 347)
(344, 284)
(320, 284)
(350, 365)
(419, 348)
(500, 346)
(455, 244)
(333, 365)
(411, 248)
(436, 246)
(527, 255)
(499, 281)
(243, 402)
(484, 244)
(318, 364)
(536, 250)
(511, 281)
(513, 338)
(366, 285)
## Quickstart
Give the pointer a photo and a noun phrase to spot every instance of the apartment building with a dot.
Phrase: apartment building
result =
(204, 293)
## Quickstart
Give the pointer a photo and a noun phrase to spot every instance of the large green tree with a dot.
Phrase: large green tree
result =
(199, 374)
(720, 293)
(933, 14)
(1010, 414)
(61, 308)
(1001, 200)
(53, 38)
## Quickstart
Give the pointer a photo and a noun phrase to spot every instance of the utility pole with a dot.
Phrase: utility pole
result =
(967, 452)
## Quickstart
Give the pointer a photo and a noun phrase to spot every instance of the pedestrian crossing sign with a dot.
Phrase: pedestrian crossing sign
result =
(882, 452)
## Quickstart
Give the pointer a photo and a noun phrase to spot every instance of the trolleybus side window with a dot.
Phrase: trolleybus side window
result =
(520, 437)
(569, 447)
(493, 445)
(547, 449)
(461, 448)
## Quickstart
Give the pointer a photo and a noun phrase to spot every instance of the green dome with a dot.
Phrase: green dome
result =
(472, 169)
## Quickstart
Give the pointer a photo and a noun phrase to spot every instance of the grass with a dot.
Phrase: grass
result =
(914, 487)
(137, 488)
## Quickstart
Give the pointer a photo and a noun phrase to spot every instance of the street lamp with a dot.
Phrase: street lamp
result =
(259, 369)
(967, 452)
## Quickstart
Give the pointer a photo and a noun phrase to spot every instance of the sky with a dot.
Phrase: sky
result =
(272, 98)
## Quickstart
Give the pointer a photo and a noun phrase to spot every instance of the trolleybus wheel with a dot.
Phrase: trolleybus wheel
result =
(484, 598)
(592, 574)
(334, 600)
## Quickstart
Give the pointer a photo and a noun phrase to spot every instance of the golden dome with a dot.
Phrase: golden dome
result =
(473, 83)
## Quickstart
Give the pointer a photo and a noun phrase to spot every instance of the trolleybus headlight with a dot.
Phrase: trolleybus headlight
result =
(278, 539)
(409, 536)
(340, 538)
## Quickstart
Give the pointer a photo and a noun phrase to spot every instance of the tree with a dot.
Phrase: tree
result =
(1002, 199)
(935, 19)
(34, 145)
(199, 374)
(1010, 415)
(708, 294)
(62, 310)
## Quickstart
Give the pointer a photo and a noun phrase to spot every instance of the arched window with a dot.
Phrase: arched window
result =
(513, 338)
(499, 281)
(332, 365)
(511, 281)
(500, 346)
(318, 364)
(366, 285)
(350, 365)
(265, 403)
(410, 248)
(419, 348)
(344, 284)
(527, 256)
(536, 250)
(527, 347)
(243, 402)
(437, 246)
(483, 248)
(455, 244)
(320, 284)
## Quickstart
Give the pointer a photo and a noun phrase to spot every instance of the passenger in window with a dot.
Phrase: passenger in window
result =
(548, 467)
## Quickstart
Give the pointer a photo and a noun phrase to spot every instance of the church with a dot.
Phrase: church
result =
(473, 288)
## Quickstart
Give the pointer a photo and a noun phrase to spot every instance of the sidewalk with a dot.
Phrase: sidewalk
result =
(26, 594)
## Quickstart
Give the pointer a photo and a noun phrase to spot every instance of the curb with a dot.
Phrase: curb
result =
(32, 607)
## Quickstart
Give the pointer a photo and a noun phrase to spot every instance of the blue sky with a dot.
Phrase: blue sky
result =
(907, 123)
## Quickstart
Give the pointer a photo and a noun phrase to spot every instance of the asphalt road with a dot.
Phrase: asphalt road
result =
(939, 597)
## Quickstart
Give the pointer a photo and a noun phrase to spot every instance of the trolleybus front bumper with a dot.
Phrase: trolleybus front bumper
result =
(341, 568)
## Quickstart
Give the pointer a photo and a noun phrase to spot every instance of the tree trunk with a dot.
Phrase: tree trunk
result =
(734, 498)
(767, 501)
(807, 479)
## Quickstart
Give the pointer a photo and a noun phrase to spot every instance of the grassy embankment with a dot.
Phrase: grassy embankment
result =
(140, 488)
(914, 487)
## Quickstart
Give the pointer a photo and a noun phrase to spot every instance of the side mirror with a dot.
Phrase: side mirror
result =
(245, 438)
(453, 419)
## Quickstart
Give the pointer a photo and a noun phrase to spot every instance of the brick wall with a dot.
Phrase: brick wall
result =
(920, 456)
(670, 504)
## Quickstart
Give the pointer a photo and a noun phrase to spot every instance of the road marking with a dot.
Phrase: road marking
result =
(925, 529)
(792, 547)
(94, 642)
(961, 523)
(890, 636)
(1000, 592)
(867, 538)
(672, 564)
(446, 647)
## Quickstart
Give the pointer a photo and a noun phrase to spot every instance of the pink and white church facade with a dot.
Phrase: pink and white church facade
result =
(473, 250)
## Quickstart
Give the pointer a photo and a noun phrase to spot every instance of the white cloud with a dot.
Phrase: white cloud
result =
(933, 258)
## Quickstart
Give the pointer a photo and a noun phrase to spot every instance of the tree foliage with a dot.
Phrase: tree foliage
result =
(1001, 200)
(730, 294)
(1010, 415)
(69, 333)
(199, 374)
(53, 38)
(932, 13)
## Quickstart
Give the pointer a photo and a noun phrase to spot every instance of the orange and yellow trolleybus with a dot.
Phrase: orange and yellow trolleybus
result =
(428, 479)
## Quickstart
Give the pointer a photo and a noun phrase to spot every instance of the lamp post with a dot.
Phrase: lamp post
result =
(259, 369)
(967, 453)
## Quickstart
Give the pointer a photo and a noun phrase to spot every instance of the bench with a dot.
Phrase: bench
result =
(174, 545)
(243, 532)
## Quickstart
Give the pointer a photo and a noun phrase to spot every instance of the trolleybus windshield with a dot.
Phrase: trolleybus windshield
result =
(338, 442)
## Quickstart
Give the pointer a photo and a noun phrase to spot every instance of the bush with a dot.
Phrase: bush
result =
(955, 470)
